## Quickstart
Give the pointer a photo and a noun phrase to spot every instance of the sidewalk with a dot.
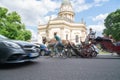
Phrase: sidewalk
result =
(112, 54)
(108, 56)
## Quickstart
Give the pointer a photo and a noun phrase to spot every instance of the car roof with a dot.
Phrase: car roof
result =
(3, 37)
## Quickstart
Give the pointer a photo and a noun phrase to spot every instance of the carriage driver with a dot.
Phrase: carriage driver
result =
(91, 36)
(58, 43)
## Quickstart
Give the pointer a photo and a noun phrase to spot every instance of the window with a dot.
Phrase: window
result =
(66, 36)
(76, 38)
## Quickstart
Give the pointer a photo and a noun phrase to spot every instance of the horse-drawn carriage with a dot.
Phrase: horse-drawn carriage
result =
(108, 45)
(84, 50)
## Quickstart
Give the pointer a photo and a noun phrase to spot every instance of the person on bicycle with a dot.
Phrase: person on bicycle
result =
(58, 43)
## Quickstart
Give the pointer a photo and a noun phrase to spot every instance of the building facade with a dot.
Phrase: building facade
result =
(64, 25)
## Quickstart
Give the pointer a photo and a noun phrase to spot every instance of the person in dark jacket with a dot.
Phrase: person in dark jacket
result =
(91, 34)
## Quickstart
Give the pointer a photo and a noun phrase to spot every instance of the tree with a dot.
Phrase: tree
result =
(11, 25)
(112, 24)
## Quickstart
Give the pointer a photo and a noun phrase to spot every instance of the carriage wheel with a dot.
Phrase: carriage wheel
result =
(94, 54)
(85, 53)
(88, 52)
(42, 53)
(52, 52)
(69, 53)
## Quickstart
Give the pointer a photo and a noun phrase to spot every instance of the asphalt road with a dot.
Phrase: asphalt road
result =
(103, 67)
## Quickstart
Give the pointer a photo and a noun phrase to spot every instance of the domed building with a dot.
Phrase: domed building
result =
(64, 25)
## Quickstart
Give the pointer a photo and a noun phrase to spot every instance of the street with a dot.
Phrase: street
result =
(103, 67)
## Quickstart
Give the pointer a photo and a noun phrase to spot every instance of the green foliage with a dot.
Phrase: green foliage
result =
(112, 24)
(11, 25)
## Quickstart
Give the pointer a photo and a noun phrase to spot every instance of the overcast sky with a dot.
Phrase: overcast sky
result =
(34, 12)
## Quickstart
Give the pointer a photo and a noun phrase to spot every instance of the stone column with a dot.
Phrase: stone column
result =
(62, 32)
(70, 35)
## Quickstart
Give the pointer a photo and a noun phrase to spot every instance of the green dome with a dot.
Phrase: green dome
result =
(66, 2)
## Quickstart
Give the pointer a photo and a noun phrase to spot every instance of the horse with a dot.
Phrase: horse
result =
(66, 46)
(108, 45)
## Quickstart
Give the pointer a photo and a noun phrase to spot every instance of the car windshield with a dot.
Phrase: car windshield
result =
(3, 37)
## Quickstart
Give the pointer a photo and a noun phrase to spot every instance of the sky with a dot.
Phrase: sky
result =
(35, 12)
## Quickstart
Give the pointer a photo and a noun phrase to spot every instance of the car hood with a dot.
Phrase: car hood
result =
(23, 43)
(19, 42)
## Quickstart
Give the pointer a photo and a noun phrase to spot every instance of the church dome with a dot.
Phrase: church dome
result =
(66, 6)
(66, 10)
(66, 2)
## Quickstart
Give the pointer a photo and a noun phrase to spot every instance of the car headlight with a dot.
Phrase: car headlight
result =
(11, 44)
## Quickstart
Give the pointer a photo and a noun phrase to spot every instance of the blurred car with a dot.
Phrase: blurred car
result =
(44, 51)
(14, 51)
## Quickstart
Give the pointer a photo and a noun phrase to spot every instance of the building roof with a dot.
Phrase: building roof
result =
(63, 18)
